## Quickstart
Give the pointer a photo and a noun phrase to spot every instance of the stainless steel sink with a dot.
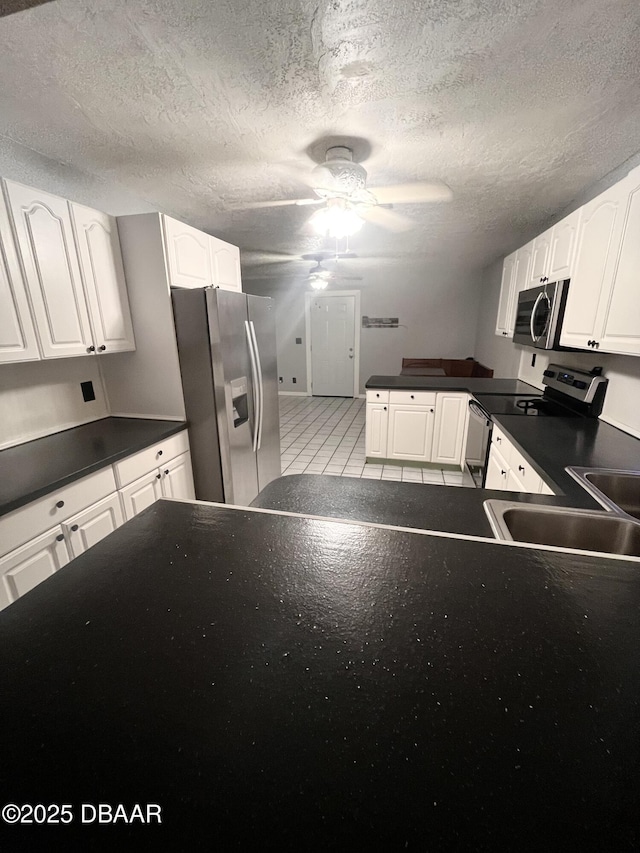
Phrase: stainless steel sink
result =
(562, 527)
(616, 490)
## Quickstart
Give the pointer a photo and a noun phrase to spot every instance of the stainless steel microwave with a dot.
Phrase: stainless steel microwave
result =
(539, 315)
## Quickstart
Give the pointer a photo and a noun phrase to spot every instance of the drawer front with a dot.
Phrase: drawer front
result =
(377, 396)
(524, 471)
(152, 457)
(35, 518)
(419, 398)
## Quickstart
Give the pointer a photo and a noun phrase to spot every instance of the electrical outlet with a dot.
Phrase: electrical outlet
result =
(88, 394)
(280, 379)
(298, 340)
(294, 380)
(533, 360)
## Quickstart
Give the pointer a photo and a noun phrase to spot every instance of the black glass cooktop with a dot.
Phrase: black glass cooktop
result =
(533, 406)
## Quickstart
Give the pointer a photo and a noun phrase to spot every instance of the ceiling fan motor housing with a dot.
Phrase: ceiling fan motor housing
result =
(339, 174)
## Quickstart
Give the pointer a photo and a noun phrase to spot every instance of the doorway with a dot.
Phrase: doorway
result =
(333, 343)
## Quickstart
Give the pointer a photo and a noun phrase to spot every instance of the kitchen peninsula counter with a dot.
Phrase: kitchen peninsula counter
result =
(290, 683)
(474, 385)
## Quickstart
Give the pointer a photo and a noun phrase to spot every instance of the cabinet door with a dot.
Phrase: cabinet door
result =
(18, 341)
(32, 563)
(451, 413)
(497, 471)
(563, 247)
(539, 259)
(141, 493)
(377, 424)
(599, 236)
(177, 478)
(103, 274)
(410, 432)
(93, 524)
(521, 272)
(506, 306)
(187, 254)
(48, 251)
(620, 323)
(513, 483)
(225, 264)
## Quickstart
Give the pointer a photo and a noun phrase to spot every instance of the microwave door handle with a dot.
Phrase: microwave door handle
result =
(254, 377)
(533, 317)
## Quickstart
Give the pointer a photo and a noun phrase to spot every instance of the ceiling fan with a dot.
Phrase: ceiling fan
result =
(319, 276)
(340, 185)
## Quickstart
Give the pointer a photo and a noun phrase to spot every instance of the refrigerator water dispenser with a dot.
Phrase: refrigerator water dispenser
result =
(239, 402)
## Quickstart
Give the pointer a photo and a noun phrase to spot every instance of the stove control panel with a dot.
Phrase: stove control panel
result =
(578, 384)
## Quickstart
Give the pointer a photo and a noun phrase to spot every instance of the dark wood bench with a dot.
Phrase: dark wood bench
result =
(451, 367)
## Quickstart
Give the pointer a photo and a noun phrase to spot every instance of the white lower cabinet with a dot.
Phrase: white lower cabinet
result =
(419, 426)
(32, 563)
(90, 526)
(377, 427)
(141, 493)
(508, 470)
(86, 511)
(450, 422)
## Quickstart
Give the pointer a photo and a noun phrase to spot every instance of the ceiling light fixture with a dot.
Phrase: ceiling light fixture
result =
(338, 219)
(318, 283)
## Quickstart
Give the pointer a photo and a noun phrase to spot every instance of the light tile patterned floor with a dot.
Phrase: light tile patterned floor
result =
(325, 435)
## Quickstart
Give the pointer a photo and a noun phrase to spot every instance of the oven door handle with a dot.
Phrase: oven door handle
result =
(475, 409)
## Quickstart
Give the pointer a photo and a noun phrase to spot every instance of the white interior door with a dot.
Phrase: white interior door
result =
(333, 346)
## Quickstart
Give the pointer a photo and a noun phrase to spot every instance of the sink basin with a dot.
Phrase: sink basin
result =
(615, 489)
(561, 527)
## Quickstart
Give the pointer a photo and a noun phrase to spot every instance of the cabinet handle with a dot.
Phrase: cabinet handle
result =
(59, 537)
(596, 344)
(60, 504)
(521, 468)
(74, 527)
(378, 395)
(159, 453)
(91, 349)
(102, 348)
(503, 472)
(431, 410)
(412, 397)
(158, 476)
(166, 470)
(498, 439)
(384, 408)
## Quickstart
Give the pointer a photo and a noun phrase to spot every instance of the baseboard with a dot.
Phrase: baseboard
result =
(629, 430)
(293, 394)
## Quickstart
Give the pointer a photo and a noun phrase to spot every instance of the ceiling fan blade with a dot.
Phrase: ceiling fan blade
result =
(257, 205)
(388, 219)
(415, 193)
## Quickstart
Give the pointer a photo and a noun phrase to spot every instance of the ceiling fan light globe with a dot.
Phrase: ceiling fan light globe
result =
(336, 222)
(318, 283)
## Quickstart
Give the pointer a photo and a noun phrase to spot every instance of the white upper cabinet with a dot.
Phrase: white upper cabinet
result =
(504, 322)
(103, 275)
(188, 255)
(45, 240)
(524, 260)
(599, 236)
(539, 259)
(18, 341)
(562, 249)
(225, 264)
(620, 311)
(196, 259)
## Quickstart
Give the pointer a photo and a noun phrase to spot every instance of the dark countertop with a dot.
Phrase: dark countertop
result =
(294, 684)
(36, 468)
(452, 383)
(552, 443)
(451, 509)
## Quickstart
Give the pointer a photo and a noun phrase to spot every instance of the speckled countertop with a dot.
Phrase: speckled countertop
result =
(36, 468)
(296, 684)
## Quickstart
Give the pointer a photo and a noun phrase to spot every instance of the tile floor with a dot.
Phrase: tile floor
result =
(325, 435)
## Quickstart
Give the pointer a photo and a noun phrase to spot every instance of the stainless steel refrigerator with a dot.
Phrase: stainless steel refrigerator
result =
(227, 352)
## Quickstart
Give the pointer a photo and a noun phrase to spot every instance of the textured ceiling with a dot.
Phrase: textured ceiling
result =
(197, 106)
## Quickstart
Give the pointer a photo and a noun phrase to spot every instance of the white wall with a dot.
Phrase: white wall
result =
(38, 398)
(437, 309)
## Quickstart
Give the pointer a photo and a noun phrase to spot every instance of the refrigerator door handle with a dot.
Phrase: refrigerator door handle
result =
(260, 382)
(254, 372)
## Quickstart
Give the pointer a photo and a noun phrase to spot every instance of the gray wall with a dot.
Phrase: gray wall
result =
(437, 309)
